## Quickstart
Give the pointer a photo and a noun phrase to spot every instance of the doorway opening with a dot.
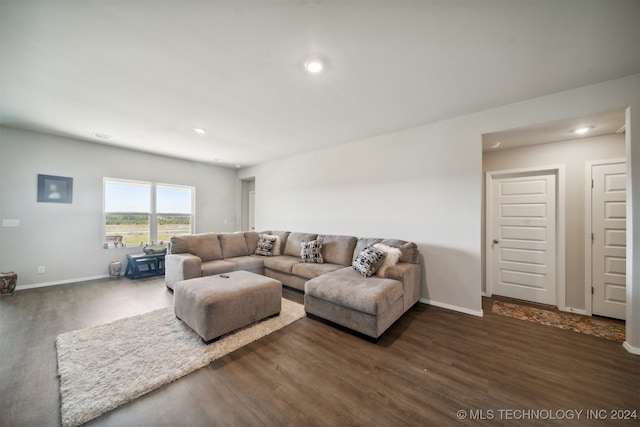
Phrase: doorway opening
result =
(248, 204)
(534, 148)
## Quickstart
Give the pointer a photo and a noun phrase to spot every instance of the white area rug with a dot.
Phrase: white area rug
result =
(105, 366)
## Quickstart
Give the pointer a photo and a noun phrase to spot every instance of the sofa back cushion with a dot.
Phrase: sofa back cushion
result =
(233, 244)
(292, 247)
(283, 236)
(205, 246)
(251, 238)
(409, 249)
(338, 249)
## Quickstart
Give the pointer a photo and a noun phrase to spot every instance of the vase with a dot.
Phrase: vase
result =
(8, 282)
(115, 268)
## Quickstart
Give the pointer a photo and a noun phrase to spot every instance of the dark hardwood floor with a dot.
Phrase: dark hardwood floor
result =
(429, 365)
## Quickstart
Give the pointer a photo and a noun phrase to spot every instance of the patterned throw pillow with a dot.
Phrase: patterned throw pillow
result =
(265, 245)
(311, 251)
(368, 260)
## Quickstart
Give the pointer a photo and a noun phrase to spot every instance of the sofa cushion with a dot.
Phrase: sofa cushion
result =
(338, 249)
(205, 246)
(311, 252)
(251, 238)
(393, 255)
(368, 260)
(292, 245)
(347, 288)
(219, 266)
(265, 245)
(309, 271)
(409, 249)
(251, 262)
(233, 244)
(283, 236)
(282, 263)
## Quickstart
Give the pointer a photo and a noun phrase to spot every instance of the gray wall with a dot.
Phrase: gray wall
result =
(573, 155)
(67, 238)
(425, 184)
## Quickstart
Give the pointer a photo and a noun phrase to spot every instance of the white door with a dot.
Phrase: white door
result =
(523, 248)
(608, 251)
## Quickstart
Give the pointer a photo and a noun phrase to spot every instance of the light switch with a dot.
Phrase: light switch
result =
(10, 222)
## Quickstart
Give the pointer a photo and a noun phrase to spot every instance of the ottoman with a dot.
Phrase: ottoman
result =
(215, 305)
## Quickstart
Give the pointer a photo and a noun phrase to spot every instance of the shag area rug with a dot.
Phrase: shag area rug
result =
(609, 329)
(103, 367)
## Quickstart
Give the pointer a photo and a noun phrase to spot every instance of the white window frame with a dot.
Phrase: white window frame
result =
(153, 214)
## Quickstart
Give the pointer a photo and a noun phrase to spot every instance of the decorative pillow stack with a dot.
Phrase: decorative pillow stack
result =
(311, 251)
(393, 255)
(368, 261)
(265, 245)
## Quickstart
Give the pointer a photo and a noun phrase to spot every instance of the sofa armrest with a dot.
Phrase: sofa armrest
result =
(179, 267)
(409, 275)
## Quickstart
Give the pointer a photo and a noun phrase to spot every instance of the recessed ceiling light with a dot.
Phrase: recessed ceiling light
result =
(314, 66)
(200, 131)
(582, 131)
(101, 135)
(218, 160)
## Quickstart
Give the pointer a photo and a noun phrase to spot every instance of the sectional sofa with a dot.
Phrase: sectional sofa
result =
(333, 289)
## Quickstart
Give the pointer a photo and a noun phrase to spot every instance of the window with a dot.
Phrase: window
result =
(137, 213)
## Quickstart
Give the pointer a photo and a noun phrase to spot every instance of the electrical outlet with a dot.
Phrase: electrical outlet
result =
(10, 222)
(41, 269)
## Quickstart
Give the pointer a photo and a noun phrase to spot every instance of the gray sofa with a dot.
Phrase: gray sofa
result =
(333, 289)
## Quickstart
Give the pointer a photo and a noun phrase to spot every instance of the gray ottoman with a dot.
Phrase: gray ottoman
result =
(215, 305)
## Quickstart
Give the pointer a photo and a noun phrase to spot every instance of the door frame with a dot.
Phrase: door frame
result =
(588, 176)
(559, 172)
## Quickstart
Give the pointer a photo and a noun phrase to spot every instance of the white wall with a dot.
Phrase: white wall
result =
(425, 185)
(67, 238)
(573, 155)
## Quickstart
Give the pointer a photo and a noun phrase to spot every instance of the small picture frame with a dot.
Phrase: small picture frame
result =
(55, 189)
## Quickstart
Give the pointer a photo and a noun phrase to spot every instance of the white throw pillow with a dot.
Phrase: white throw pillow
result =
(393, 255)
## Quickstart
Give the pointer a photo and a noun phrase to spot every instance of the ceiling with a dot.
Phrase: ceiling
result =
(605, 123)
(147, 72)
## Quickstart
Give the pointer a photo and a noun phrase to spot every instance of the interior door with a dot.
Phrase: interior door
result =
(608, 251)
(523, 248)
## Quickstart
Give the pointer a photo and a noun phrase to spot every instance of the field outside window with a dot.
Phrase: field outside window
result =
(138, 213)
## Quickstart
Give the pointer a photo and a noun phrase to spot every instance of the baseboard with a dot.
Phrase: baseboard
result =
(478, 313)
(575, 310)
(60, 282)
(631, 349)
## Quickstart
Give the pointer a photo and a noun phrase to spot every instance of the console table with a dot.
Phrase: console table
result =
(144, 265)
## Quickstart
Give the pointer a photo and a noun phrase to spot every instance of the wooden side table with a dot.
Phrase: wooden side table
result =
(144, 265)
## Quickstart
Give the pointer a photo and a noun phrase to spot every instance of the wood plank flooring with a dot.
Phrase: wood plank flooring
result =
(429, 365)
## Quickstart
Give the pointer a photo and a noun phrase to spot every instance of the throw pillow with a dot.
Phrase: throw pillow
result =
(265, 245)
(277, 246)
(311, 251)
(393, 255)
(368, 261)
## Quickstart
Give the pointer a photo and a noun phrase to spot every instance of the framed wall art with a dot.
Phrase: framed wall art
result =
(55, 189)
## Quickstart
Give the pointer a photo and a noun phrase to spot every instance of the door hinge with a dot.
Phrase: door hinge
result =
(593, 291)
(592, 238)
(591, 183)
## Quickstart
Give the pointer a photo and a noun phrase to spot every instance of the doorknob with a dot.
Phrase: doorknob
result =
(495, 241)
